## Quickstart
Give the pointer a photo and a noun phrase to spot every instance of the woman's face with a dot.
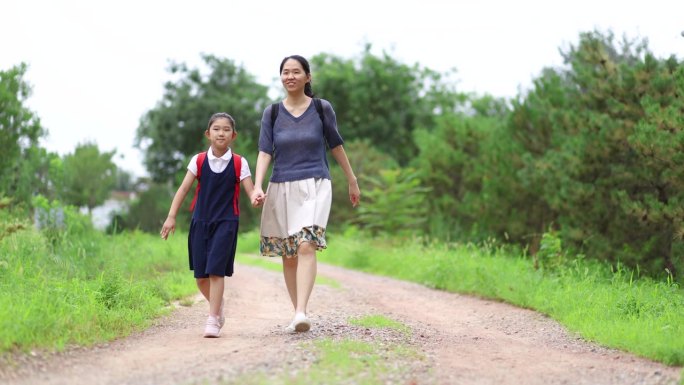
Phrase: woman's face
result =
(293, 76)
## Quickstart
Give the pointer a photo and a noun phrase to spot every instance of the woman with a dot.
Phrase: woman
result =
(299, 194)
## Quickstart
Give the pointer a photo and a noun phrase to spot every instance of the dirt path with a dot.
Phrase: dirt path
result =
(464, 340)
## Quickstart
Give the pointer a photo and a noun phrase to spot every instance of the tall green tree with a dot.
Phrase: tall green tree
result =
(593, 152)
(40, 173)
(462, 159)
(89, 176)
(124, 181)
(602, 148)
(170, 133)
(20, 130)
(380, 99)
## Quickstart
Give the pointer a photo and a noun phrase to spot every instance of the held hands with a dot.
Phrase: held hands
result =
(354, 193)
(168, 227)
(258, 197)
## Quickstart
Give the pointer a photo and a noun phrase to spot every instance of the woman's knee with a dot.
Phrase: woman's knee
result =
(306, 248)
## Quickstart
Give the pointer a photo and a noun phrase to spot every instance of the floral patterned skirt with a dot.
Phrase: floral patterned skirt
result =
(293, 213)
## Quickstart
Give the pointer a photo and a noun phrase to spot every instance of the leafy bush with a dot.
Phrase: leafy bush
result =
(396, 203)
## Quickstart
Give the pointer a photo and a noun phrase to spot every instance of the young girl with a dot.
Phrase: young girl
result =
(212, 238)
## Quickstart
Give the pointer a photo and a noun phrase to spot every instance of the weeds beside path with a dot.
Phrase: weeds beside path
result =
(449, 338)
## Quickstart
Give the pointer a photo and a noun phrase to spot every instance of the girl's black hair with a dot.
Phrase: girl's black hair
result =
(221, 115)
(307, 70)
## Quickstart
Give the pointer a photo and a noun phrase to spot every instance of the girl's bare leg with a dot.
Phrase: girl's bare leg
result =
(203, 286)
(216, 287)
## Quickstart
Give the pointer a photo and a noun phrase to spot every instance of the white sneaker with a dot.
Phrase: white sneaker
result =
(301, 323)
(212, 329)
(290, 329)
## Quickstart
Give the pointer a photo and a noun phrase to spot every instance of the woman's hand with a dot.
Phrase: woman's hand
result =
(258, 197)
(354, 193)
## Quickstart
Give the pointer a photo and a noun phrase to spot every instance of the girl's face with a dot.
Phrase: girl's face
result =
(293, 76)
(221, 134)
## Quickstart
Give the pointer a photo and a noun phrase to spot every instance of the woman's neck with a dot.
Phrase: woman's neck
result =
(296, 99)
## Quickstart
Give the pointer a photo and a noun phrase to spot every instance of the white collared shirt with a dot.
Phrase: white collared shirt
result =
(219, 164)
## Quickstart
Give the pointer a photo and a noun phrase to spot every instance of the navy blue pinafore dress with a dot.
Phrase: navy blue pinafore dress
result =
(212, 239)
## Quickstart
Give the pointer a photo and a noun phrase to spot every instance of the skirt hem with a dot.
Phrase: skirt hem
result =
(287, 247)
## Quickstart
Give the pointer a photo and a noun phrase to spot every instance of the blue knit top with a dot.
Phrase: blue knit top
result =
(298, 144)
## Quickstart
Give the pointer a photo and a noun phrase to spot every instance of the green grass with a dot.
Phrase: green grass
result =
(380, 321)
(365, 362)
(79, 286)
(613, 308)
(346, 361)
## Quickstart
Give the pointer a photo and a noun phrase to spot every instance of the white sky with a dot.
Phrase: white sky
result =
(97, 66)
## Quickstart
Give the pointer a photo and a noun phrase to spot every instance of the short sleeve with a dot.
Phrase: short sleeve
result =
(192, 166)
(330, 132)
(244, 169)
(266, 132)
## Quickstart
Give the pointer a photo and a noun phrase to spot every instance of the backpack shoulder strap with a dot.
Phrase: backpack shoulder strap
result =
(319, 108)
(317, 103)
(199, 162)
(237, 164)
(274, 113)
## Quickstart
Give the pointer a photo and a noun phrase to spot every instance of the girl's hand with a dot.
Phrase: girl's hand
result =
(258, 197)
(354, 193)
(168, 227)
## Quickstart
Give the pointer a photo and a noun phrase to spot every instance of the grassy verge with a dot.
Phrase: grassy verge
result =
(79, 286)
(613, 308)
(379, 321)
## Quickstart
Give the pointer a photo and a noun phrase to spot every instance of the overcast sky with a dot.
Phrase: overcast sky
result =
(97, 66)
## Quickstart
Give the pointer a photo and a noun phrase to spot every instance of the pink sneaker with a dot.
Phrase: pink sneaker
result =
(212, 328)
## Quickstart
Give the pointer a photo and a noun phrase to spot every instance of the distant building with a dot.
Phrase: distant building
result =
(118, 202)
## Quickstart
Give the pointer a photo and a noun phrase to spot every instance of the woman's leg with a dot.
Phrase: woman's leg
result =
(306, 275)
(290, 273)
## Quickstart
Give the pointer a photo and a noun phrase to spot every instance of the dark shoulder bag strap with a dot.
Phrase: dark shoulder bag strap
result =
(317, 103)
(274, 113)
(319, 109)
